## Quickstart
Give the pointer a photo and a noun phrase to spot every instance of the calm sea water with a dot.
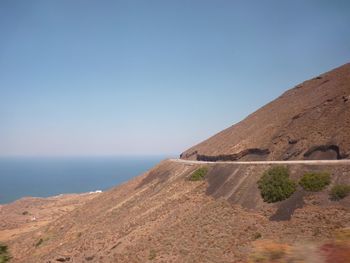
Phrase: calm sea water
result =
(42, 177)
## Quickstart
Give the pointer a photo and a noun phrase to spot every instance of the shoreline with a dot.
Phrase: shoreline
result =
(30, 213)
(65, 195)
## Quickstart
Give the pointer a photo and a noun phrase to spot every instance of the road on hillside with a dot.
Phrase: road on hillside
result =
(310, 162)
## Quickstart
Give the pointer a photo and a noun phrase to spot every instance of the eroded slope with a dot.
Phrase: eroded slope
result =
(309, 121)
(161, 216)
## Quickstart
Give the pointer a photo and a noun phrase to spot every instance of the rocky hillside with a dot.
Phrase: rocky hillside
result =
(183, 211)
(162, 216)
(309, 121)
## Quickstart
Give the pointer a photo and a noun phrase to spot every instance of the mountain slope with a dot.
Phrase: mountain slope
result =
(309, 121)
(161, 216)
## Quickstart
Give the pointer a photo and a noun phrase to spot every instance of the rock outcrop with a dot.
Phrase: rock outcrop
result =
(309, 121)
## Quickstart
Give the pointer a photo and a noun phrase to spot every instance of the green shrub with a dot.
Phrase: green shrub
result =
(199, 174)
(275, 184)
(4, 254)
(339, 191)
(315, 181)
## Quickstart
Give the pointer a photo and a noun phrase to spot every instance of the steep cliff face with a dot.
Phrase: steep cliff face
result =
(309, 121)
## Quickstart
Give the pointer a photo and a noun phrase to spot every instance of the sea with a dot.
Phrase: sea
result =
(49, 176)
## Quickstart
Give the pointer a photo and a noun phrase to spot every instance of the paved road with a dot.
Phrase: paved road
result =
(310, 162)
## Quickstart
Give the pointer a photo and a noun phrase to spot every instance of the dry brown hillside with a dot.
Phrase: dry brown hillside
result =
(165, 216)
(161, 216)
(309, 121)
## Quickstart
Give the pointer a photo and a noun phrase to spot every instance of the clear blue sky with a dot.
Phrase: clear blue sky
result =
(152, 77)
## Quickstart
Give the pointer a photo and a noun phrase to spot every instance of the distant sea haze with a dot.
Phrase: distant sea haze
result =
(48, 176)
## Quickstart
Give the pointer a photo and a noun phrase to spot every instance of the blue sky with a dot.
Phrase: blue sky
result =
(152, 77)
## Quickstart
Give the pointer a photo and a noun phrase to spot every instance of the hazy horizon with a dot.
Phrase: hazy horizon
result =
(115, 78)
(89, 155)
(49, 176)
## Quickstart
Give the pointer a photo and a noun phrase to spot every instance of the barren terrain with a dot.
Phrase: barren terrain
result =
(309, 121)
(163, 216)
(30, 213)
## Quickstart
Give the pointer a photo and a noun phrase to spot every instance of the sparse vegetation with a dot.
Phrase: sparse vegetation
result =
(315, 181)
(334, 250)
(40, 241)
(339, 192)
(4, 254)
(275, 184)
(25, 213)
(268, 251)
(257, 235)
(152, 254)
(316, 232)
(199, 174)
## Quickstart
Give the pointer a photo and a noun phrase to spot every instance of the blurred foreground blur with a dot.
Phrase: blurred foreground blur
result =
(336, 250)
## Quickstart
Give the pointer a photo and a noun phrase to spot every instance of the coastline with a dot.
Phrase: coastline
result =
(30, 213)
